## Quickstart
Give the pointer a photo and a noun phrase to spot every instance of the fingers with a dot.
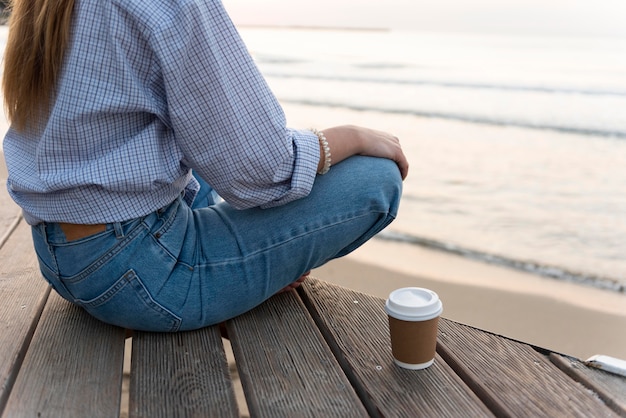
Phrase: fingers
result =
(400, 158)
(403, 165)
(385, 145)
(402, 161)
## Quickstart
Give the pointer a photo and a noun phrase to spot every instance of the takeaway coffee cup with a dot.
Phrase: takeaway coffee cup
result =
(413, 318)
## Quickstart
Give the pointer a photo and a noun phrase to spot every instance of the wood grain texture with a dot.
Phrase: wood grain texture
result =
(182, 374)
(73, 367)
(285, 366)
(22, 296)
(513, 378)
(358, 325)
(609, 387)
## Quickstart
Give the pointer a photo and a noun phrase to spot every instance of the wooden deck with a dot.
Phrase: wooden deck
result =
(320, 352)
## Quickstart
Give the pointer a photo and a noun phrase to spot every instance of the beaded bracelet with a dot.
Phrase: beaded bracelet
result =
(324, 144)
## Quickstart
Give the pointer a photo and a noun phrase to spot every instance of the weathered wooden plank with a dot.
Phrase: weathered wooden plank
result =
(609, 387)
(512, 378)
(285, 366)
(73, 367)
(181, 375)
(23, 294)
(358, 325)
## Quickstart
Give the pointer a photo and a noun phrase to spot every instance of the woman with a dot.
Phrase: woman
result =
(123, 112)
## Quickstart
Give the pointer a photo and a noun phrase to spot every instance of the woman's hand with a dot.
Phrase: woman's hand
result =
(348, 140)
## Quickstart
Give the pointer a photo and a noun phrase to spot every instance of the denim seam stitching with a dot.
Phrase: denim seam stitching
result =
(106, 257)
(269, 248)
(167, 223)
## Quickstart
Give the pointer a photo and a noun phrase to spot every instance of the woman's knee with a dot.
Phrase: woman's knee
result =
(379, 179)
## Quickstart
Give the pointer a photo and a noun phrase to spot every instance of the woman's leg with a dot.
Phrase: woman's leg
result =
(244, 257)
(181, 268)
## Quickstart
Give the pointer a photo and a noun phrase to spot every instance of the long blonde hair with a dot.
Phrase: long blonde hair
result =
(38, 38)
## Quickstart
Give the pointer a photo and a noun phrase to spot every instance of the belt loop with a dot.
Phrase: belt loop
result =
(42, 226)
(119, 232)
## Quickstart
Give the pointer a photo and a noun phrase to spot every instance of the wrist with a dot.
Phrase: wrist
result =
(351, 137)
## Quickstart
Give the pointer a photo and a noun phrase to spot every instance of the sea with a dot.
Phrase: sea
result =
(517, 143)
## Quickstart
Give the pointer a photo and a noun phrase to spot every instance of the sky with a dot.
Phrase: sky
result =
(542, 17)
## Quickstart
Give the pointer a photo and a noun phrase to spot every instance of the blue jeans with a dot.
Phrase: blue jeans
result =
(183, 268)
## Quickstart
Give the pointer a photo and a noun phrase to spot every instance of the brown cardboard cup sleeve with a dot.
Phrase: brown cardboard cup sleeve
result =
(413, 319)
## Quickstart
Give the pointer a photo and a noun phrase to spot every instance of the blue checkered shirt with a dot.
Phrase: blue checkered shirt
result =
(149, 91)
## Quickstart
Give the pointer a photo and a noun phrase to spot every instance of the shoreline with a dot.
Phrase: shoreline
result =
(543, 270)
(567, 318)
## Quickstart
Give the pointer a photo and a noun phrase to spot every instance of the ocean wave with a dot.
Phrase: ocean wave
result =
(543, 270)
(462, 117)
(455, 84)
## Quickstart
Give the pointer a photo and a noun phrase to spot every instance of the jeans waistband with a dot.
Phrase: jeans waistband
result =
(58, 232)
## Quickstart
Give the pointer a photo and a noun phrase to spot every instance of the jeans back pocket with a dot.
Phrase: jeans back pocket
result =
(127, 303)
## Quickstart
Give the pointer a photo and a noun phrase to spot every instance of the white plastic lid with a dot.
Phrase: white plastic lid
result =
(413, 304)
